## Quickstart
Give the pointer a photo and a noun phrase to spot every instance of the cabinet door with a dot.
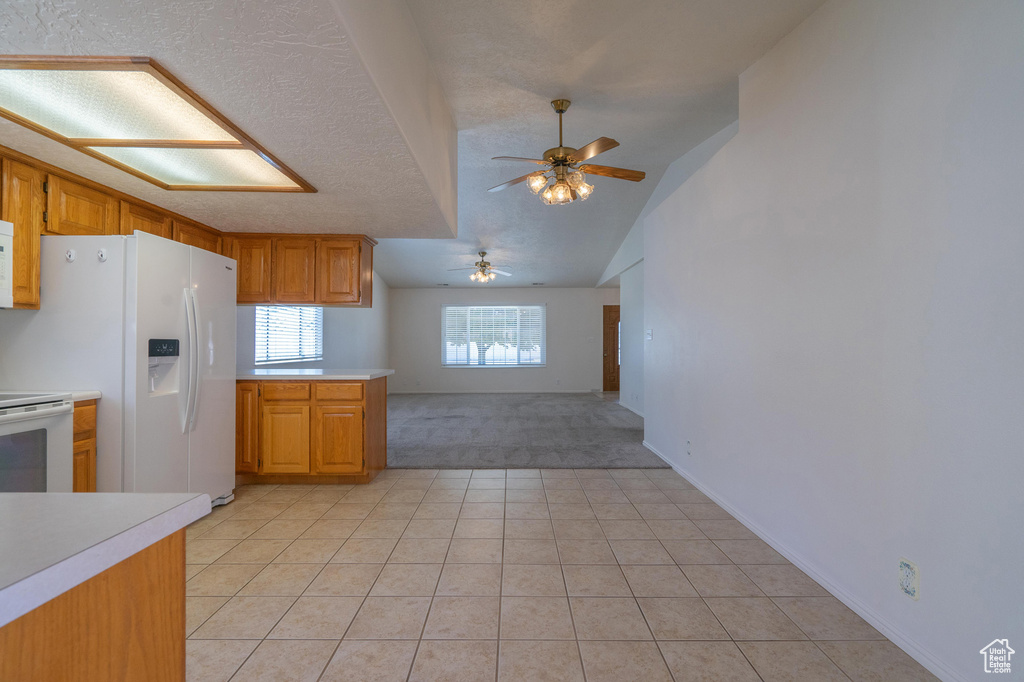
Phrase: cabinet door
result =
(292, 275)
(246, 426)
(196, 235)
(145, 220)
(284, 439)
(337, 271)
(22, 201)
(254, 256)
(338, 439)
(76, 209)
(83, 454)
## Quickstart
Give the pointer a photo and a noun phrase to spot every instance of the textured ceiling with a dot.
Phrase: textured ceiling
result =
(285, 72)
(659, 76)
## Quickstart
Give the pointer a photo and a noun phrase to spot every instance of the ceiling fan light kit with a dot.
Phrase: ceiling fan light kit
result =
(483, 271)
(566, 168)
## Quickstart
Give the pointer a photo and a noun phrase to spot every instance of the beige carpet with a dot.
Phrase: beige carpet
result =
(514, 430)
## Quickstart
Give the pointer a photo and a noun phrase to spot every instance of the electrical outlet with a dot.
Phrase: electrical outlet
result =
(909, 579)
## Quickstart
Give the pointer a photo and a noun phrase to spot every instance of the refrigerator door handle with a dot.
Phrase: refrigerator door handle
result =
(194, 360)
(190, 318)
(184, 376)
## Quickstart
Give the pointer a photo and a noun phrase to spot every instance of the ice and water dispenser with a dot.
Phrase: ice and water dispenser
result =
(163, 366)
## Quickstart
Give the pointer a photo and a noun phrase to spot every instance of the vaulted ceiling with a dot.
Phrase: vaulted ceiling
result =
(364, 99)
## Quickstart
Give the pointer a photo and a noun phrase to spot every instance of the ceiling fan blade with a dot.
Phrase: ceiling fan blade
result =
(521, 178)
(518, 158)
(618, 173)
(454, 269)
(589, 151)
(502, 272)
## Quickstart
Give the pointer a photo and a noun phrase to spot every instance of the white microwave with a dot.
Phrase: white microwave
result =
(36, 431)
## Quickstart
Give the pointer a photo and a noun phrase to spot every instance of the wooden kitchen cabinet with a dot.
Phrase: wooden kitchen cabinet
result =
(134, 217)
(337, 271)
(197, 235)
(338, 439)
(294, 270)
(254, 256)
(319, 431)
(247, 415)
(303, 269)
(84, 447)
(284, 439)
(22, 203)
(72, 208)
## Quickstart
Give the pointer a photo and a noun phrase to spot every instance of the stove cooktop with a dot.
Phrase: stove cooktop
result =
(9, 399)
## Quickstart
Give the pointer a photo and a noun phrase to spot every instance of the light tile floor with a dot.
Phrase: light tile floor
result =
(588, 574)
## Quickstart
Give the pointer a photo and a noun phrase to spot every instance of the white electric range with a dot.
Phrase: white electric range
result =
(36, 431)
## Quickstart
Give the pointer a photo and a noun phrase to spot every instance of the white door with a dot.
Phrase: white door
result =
(156, 443)
(212, 422)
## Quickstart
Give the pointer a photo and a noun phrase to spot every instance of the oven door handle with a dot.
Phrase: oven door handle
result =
(63, 408)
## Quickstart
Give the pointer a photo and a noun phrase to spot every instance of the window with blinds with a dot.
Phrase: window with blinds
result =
(289, 334)
(493, 336)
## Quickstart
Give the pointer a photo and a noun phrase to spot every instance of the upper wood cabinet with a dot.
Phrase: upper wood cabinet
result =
(337, 270)
(72, 208)
(22, 203)
(294, 270)
(254, 256)
(197, 235)
(303, 269)
(134, 217)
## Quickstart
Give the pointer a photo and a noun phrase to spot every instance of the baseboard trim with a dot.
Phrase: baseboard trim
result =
(639, 414)
(895, 635)
(421, 392)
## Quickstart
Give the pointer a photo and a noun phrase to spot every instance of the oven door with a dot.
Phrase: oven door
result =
(36, 450)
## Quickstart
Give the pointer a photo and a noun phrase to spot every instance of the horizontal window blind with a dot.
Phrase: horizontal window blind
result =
(289, 334)
(494, 335)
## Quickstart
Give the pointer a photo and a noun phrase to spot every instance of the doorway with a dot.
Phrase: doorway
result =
(612, 348)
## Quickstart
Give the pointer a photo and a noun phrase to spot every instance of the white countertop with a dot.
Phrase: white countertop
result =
(52, 542)
(316, 374)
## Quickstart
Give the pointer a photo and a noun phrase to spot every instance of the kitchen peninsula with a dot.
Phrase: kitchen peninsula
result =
(311, 425)
(93, 586)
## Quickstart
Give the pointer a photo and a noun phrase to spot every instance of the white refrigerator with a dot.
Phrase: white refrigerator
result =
(151, 324)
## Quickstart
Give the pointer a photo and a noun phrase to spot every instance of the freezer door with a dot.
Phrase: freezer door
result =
(211, 420)
(157, 380)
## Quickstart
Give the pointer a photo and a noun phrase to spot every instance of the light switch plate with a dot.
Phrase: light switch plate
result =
(648, 335)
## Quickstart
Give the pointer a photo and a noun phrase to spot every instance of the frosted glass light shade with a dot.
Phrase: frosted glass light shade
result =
(126, 105)
(178, 167)
(135, 115)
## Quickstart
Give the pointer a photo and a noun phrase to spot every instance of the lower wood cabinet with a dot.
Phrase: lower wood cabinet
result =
(284, 439)
(319, 430)
(83, 447)
(338, 439)
(247, 414)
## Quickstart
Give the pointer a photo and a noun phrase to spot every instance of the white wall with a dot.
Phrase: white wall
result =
(574, 341)
(354, 338)
(836, 299)
(631, 316)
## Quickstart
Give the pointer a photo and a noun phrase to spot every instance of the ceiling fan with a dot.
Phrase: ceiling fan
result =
(483, 271)
(566, 168)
